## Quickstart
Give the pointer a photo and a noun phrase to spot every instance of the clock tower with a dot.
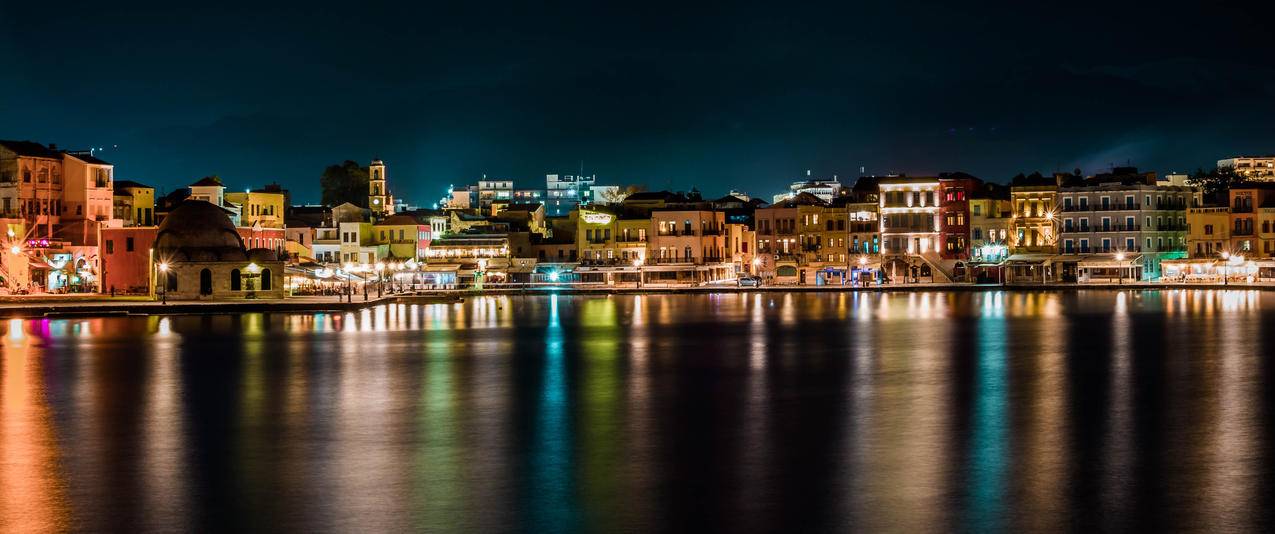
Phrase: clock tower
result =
(379, 200)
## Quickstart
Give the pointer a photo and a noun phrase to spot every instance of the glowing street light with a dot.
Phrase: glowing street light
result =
(637, 264)
(163, 288)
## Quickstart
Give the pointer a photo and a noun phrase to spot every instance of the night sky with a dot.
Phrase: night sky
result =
(711, 96)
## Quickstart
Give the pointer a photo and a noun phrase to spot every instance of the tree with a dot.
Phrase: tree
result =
(346, 182)
(616, 196)
(1214, 183)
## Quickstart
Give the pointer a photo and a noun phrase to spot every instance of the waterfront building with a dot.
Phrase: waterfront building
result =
(1208, 231)
(909, 218)
(31, 185)
(955, 190)
(464, 257)
(686, 246)
(1120, 225)
(1255, 168)
(379, 199)
(612, 243)
(991, 221)
(778, 242)
(134, 203)
(198, 253)
(1252, 211)
(404, 237)
(823, 236)
(1034, 240)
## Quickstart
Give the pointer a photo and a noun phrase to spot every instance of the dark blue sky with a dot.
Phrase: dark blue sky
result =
(712, 95)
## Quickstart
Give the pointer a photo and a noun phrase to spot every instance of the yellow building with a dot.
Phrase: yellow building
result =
(134, 203)
(406, 237)
(1208, 231)
(262, 207)
(823, 236)
(604, 237)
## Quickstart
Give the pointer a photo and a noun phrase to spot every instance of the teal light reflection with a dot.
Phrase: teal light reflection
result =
(552, 489)
(988, 447)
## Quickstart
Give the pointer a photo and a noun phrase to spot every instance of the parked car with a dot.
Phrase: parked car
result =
(752, 281)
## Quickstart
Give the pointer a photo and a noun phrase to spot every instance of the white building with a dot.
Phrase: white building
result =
(1260, 168)
(563, 192)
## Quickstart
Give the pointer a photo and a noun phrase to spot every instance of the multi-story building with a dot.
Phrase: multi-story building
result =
(259, 207)
(823, 233)
(1256, 168)
(31, 185)
(1208, 231)
(563, 192)
(404, 237)
(778, 242)
(134, 203)
(686, 246)
(955, 190)
(1120, 225)
(494, 190)
(1034, 240)
(87, 192)
(909, 212)
(1252, 212)
(991, 221)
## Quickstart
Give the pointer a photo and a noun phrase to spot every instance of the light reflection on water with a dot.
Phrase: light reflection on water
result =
(978, 411)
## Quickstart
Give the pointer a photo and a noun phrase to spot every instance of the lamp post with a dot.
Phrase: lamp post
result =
(349, 288)
(163, 288)
(380, 279)
(637, 264)
(1226, 261)
(480, 274)
(863, 268)
(1119, 268)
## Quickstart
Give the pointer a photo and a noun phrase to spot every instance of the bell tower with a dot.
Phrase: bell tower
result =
(379, 200)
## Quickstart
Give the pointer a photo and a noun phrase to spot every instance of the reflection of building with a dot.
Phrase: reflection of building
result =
(205, 257)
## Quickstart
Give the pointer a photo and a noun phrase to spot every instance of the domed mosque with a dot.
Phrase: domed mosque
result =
(200, 255)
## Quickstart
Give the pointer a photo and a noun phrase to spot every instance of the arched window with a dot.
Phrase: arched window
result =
(265, 279)
(234, 280)
(205, 282)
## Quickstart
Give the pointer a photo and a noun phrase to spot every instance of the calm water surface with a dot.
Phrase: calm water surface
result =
(754, 412)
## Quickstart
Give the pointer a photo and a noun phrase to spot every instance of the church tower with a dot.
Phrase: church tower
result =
(379, 200)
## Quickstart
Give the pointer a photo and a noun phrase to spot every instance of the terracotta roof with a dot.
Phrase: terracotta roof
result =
(208, 181)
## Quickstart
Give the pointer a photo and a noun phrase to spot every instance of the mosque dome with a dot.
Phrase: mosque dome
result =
(199, 231)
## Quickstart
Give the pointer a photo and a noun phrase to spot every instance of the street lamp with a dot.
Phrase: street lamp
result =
(637, 264)
(1119, 268)
(380, 279)
(163, 291)
(1226, 261)
(481, 273)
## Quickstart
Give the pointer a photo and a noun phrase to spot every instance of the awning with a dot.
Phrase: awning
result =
(1106, 261)
(1030, 258)
(440, 267)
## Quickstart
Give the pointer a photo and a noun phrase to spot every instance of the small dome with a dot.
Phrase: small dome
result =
(199, 231)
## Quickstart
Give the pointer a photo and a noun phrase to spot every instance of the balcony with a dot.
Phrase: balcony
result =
(1118, 228)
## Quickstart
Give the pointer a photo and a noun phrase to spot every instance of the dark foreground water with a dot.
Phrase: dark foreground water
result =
(759, 412)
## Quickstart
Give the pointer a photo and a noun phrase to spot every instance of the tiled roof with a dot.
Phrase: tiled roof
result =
(31, 148)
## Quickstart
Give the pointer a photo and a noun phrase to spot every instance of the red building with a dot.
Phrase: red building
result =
(954, 214)
(126, 259)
